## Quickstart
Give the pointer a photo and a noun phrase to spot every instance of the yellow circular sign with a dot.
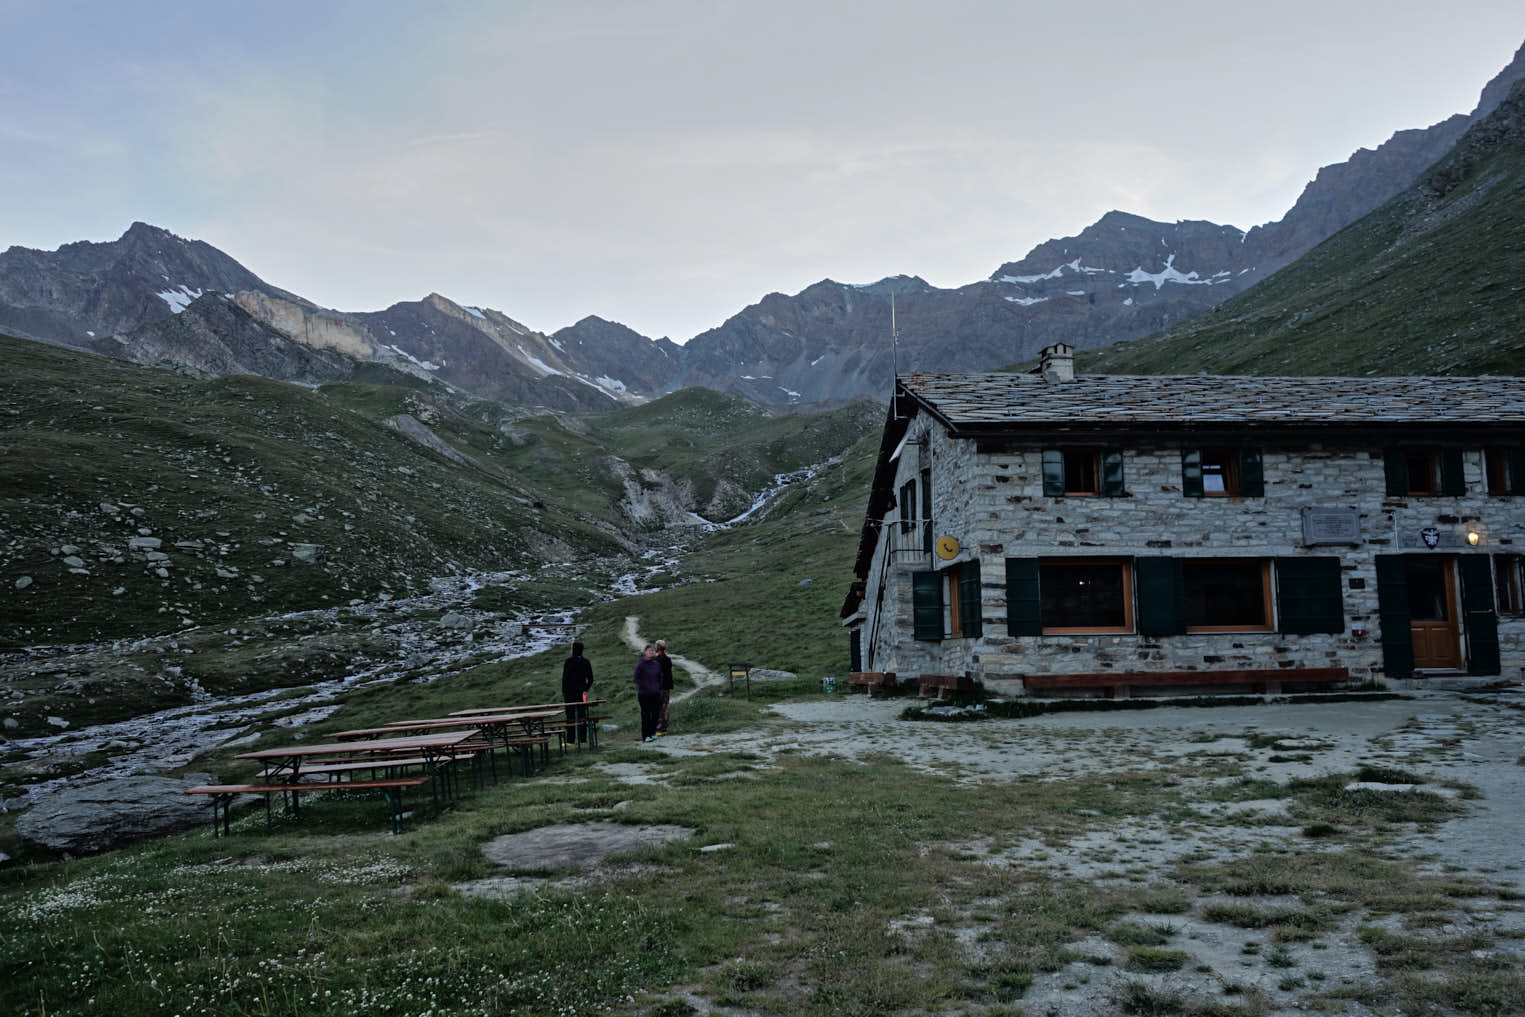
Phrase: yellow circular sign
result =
(947, 547)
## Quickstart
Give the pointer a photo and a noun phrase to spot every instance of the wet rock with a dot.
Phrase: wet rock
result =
(23, 582)
(575, 845)
(112, 813)
(144, 543)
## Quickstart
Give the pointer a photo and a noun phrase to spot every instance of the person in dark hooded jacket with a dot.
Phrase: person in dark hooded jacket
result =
(648, 691)
(666, 662)
(576, 680)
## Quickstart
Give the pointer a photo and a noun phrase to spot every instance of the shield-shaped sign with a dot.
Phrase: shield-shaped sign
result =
(1430, 535)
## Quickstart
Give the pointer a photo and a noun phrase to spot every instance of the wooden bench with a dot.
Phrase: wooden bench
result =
(870, 681)
(1270, 681)
(946, 684)
(222, 795)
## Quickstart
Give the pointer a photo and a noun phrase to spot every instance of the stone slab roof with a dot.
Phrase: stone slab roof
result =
(1020, 400)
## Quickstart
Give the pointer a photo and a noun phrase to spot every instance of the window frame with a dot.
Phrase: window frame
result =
(1065, 467)
(1125, 567)
(1443, 471)
(1503, 470)
(1267, 608)
(1242, 469)
(1508, 591)
(1226, 462)
(1082, 472)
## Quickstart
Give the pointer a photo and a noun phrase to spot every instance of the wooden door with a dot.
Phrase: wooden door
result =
(1432, 613)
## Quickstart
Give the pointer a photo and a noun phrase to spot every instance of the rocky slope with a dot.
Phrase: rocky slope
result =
(1121, 278)
(1433, 282)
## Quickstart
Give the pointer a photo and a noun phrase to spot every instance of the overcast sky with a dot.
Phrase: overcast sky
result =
(665, 163)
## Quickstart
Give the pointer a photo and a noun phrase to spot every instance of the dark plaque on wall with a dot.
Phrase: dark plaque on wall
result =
(1331, 526)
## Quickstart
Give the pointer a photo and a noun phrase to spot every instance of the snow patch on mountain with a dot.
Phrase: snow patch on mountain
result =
(179, 298)
(1171, 274)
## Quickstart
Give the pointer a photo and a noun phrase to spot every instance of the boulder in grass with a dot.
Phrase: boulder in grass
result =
(113, 813)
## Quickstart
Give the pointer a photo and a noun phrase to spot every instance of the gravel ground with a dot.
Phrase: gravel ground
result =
(1474, 738)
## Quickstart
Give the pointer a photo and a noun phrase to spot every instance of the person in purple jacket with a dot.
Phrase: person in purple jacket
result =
(648, 691)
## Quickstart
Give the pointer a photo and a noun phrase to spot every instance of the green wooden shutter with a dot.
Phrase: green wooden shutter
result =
(927, 605)
(969, 608)
(1516, 460)
(855, 650)
(1395, 466)
(1308, 595)
(1112, 474)
(1053, 472)
(1161, 596)
(1452, 480)
(1393, 613)
(1482, 623)
(1252, 482)
(1191, 472)
(1024, 604)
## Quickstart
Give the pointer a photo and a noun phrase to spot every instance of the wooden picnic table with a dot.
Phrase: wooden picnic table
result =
(590, 722)
(518, 709)
(496, 729)
(283, 771)
(283, 763)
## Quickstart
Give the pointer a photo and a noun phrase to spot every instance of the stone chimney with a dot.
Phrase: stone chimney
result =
(1057, 362)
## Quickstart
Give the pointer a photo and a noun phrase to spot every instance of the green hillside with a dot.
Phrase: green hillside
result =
(135, 501)
(1433, 282)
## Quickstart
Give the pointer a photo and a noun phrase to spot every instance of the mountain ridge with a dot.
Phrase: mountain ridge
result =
(154, 298)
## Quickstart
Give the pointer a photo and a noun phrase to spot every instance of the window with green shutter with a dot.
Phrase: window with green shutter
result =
(1504, 470)
(1161, 604)
(1222, 473)
(1423, 472)
(971, 624)
(1024, 601)
(1112, 474)
(1191, 472)
(927, 606)
(1393, 613)
(1083, 471)
(1309, 597)
(1252, 483)
(1480, 621)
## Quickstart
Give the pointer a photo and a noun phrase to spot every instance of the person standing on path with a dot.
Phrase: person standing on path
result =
(576, 680)
(666, 662)
(648, 691)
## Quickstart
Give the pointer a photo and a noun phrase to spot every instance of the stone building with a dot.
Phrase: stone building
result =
(1032, 529)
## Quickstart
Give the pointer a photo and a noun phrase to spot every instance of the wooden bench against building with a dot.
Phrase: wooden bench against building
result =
(1121, 685)
(870, 681)
(946, 684)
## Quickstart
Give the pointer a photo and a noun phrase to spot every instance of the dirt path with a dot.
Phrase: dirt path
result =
(702, 676)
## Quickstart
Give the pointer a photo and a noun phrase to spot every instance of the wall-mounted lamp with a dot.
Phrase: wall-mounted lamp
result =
(1473, 537)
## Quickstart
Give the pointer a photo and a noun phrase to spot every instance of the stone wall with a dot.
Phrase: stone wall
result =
(994, 505)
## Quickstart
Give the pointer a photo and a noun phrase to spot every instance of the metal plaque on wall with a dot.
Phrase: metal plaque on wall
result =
(1331, 526)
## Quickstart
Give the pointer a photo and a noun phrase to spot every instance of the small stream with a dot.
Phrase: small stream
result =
(169, 739)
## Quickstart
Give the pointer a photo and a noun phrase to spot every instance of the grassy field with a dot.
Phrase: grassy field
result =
(831, 888)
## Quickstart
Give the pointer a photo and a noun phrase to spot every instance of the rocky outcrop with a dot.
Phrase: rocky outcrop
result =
(313, 327)
(113, 813)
